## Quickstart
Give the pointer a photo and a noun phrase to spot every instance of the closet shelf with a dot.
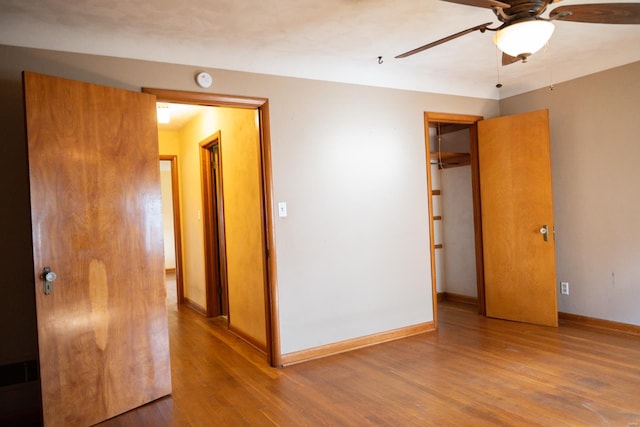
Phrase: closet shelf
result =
(450, 160)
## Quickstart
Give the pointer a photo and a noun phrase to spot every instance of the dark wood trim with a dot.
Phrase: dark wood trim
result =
(447, 160)
(206, 99)
(459, 298)
(259, 347)
(608, 325)
(271, 276)
(356, 343)
(212, 239)
(262, 105)
(195, 307)
(177, 225)
(477, 216)
(222, 239)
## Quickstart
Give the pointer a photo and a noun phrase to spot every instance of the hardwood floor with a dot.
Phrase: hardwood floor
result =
(473, 371)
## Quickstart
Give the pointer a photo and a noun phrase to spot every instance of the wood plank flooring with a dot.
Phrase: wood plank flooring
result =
(474, 371)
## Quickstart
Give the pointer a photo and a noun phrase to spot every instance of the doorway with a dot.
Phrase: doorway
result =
(263, 315)
(173, 225)
(451, 147)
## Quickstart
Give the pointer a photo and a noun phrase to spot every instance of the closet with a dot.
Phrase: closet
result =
(452, 212)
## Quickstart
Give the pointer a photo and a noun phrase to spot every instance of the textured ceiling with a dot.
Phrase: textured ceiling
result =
(335, 40)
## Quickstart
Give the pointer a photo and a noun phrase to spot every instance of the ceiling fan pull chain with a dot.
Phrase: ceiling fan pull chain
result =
(549, 64)
(498, 56)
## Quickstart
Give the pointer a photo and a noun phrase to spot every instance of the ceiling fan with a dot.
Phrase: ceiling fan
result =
(524, 31)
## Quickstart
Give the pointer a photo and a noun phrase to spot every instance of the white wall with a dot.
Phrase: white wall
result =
(353, 254)
(167, 215)
(459, 238)
(595, 156)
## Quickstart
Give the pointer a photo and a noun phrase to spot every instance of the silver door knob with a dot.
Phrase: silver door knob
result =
(49, 277)
(545, 232)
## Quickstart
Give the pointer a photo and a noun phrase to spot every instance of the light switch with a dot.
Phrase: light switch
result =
(282, 209)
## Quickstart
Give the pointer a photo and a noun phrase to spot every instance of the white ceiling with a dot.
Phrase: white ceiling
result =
(335, 40)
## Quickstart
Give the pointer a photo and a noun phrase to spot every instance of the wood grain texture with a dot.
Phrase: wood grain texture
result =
(215, 271)
(245, 234)
(473, 371)
(96, 212)
(516, 199)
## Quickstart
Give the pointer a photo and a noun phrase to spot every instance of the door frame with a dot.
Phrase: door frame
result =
(274, 356)
(177, 224)
(451, 123)
(215, 254)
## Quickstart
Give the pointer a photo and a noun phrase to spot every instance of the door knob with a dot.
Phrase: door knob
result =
(545, 232)
(49, 277)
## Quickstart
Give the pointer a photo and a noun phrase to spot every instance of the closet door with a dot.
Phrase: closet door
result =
(517, 218)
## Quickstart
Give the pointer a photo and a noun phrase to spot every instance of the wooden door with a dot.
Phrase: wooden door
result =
(96, 218)
(214, 233)
(516, 203)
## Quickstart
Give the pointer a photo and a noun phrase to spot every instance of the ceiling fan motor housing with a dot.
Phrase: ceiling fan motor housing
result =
(521, 10)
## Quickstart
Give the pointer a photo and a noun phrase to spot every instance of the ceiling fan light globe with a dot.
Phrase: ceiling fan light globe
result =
(523, 38)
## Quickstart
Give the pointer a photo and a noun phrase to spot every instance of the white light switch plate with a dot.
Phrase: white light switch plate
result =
(282, 209)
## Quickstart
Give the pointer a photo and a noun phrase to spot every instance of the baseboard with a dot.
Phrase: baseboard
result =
(609, 325)
(249, 340)
(356, 343)
(195, 307)
(463, 299)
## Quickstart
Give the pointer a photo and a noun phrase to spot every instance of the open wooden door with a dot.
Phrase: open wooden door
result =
(517, 218)
(97, 223)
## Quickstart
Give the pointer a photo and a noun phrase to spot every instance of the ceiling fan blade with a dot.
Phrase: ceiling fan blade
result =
(508, 59)
(599, 13)
(489, 4)
(482, 28)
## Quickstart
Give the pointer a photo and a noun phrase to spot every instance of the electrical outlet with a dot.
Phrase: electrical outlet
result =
(564, 288)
